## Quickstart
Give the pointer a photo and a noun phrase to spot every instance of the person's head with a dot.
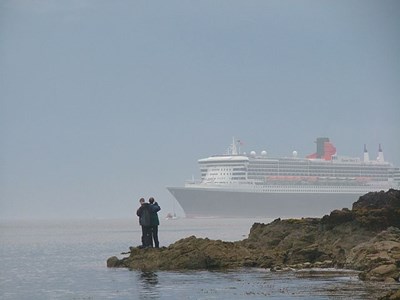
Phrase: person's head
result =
(151, 200)
(141, 200)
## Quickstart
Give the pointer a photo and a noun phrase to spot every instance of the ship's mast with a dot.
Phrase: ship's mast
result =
(233, 147)
(366, 155)
(381, 159)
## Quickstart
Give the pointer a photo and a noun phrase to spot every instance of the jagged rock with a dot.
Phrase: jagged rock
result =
(378, 258)
(337, 217)
(190, 253)
(366, 238)
(379, 210)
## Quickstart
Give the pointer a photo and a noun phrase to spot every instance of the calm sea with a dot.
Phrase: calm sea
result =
(67, 260)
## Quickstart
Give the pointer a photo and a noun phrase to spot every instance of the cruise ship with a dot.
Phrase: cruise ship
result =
(255, 185)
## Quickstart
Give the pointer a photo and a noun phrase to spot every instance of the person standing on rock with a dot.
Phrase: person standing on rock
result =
(154, 221)
(144, 214)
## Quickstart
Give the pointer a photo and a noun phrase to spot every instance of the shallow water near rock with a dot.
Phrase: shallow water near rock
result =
(67, 260)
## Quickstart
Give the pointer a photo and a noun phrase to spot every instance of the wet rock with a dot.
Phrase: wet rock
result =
(113, 262)
(190, 253)
(378, 210)
(366, 238)
(378, 258)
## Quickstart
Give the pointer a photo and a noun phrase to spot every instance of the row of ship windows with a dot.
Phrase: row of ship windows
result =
(323, 175)
(225, 169)
(312, 164)
(223, 174)
(315, 164)
(344, 170)
(303, 190)
(334, 179)
(317, 168)
(296, 165)
(218, 165)
(320, 173)
(337, 174)
(304, 169)
(301, 172)
(258, 174)
(297, 171)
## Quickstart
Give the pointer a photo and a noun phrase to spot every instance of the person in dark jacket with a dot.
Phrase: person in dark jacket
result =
(154, 221)
(144, 212)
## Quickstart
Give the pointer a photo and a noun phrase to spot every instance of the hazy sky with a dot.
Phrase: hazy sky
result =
(103, 102)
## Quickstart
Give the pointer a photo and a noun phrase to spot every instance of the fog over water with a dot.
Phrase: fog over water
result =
(104, 102)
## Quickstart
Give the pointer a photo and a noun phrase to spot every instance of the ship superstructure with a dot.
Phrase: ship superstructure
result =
(322, 179)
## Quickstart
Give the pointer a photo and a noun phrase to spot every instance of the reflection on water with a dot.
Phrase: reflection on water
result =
(148, 282)
(255, 284)
(149, 278)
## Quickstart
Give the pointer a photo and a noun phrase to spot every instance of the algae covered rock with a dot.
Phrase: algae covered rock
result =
(393, 295)
(113, 262)
(378, 258)
(366, 238)
(189, 253)
(378, 210)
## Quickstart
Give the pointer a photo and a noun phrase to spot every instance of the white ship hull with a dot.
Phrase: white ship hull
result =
(198, 202)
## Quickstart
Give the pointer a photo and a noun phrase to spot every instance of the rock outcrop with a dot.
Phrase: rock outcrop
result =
(365, 238)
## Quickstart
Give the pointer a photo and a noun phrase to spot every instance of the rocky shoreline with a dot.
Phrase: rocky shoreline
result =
(365, 238)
